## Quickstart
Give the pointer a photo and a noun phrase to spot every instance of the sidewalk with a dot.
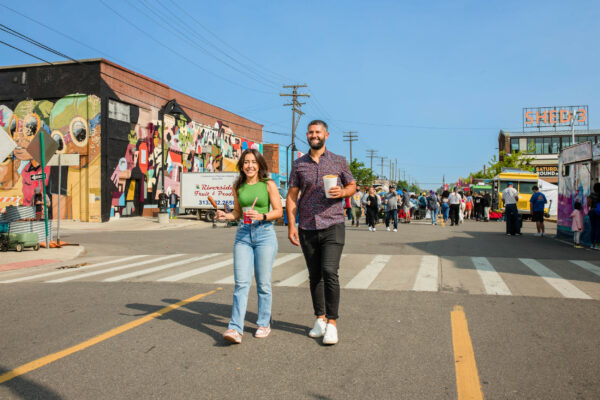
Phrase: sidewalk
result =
(11, 260)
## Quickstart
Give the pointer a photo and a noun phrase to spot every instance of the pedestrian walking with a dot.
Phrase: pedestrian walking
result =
(487, 204)
(372, 205)
(537, 202)
(321, 232)
(391, 201)
(173, 201)
(594, 215)
(468, 207)
(255, 244)
(432, 206)
(577, 224)
(454, 202)
(478, 206)
(356, 204)
(510, 196)
(445, 207)
(406, 205)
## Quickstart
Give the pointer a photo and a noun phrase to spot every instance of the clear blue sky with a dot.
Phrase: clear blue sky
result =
(429, 83)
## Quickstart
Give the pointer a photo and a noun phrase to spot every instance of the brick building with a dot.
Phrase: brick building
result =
(112, 119)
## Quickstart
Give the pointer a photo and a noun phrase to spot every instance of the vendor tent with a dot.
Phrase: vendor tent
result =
(551, 192)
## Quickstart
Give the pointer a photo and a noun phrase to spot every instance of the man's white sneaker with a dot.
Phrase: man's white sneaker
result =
(319, 329)
(331, 336)
(370, 229)
(388, 228)
(374, 229)
(395, 230)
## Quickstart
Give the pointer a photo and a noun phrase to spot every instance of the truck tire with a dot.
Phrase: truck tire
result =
(210, 215)
(36, 247)
(19, 247)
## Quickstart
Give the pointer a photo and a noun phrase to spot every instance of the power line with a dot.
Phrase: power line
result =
(371, 155)
(178, 32)
(349, 136)
(129, 23)
(26, 38)
(198, 23)
(23, 51)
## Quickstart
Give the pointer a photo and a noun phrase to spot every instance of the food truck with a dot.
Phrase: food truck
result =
(578, 170)
(523, 182)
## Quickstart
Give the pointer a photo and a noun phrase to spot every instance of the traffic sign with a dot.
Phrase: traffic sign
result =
(36, 177)
(50, 146)
(70, 160)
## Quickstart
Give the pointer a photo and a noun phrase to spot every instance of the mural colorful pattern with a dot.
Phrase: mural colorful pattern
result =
(74, 122)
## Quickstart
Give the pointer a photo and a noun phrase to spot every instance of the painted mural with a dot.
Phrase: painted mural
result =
(188, 147)
(74, 122)
(572, 187)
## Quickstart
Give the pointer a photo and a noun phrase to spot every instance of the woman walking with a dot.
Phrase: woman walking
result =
(255, 243)
(372, 208)
(432, 205)
(445, 206)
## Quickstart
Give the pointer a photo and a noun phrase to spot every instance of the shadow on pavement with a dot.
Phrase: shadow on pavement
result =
(24, 388)
(204, 316)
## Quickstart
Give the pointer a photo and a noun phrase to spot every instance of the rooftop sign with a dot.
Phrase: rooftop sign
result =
(555, 117)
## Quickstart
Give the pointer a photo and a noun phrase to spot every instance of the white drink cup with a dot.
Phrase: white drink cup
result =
(329, 181)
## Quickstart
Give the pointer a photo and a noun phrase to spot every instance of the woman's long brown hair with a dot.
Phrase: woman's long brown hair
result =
(263, 169)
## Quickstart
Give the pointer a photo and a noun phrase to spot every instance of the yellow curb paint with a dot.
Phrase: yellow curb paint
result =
(40, 362)
(467, 378)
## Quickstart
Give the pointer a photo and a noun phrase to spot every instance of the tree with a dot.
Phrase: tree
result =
(362, 176)
(411, 187)
(516, 159)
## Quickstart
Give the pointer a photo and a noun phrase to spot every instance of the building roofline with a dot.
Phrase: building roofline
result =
(115, 65)
(578, 132)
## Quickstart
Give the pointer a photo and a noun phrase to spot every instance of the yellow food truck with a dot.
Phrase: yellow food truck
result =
(523, 182)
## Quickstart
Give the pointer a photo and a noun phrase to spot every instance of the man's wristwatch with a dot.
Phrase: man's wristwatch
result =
(264, 217)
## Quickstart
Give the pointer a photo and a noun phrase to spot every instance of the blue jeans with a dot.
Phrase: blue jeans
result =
(393, 214)
(434, 214)
(445, 211)
(254, 249)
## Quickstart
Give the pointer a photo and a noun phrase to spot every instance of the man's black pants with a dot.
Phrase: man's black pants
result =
(454, 213)
(322, 251)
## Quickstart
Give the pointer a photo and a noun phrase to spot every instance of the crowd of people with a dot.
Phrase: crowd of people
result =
(394, 206)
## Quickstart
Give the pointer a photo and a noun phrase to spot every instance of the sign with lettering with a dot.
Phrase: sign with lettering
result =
(36, 177)
(555, 117)
(546, 170)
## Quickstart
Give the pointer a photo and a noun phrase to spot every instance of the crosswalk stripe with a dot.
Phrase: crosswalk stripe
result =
(427, 277)
(587, 266)
(231, 279)
(295, 280)
(368, 274)
(492, 281)
(158, 268)
(104, 271)
(196, 271)
(565, 287)
(64, 271)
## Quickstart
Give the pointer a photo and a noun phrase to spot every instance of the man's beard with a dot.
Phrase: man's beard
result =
(317, 145)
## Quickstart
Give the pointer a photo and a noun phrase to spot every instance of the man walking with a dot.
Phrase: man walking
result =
(511, 213)
(454, 200)
(321, 232)
(391, 201)
(537, 203)
(487, 203)
(356, 204)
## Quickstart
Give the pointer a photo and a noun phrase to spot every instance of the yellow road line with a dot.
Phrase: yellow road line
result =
(40, 362)
(467, 378)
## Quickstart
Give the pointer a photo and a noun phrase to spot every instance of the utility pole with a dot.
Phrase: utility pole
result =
(371, 156)
(295, 104)
(382, 159)
(350, 137)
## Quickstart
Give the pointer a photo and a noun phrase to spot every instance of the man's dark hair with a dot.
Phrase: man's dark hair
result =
(597, 187)
(318, 122)
(535, 188)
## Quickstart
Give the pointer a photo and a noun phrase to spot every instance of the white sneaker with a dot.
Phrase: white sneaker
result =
(537, 234)
(331, 336)
(370, 229)
(319, 329)
(388, 228)
(374, 229)
(395, 230)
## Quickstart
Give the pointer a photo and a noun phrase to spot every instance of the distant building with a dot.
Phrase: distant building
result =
(545, 146)
(109, 119)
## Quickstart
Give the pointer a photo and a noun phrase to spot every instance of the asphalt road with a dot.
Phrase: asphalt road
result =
(393, 344)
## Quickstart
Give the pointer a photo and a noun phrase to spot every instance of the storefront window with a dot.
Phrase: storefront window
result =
(566, 141)
(514, 145)
(555, 145)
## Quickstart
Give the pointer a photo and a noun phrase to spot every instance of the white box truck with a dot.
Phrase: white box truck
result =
(197, 186)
